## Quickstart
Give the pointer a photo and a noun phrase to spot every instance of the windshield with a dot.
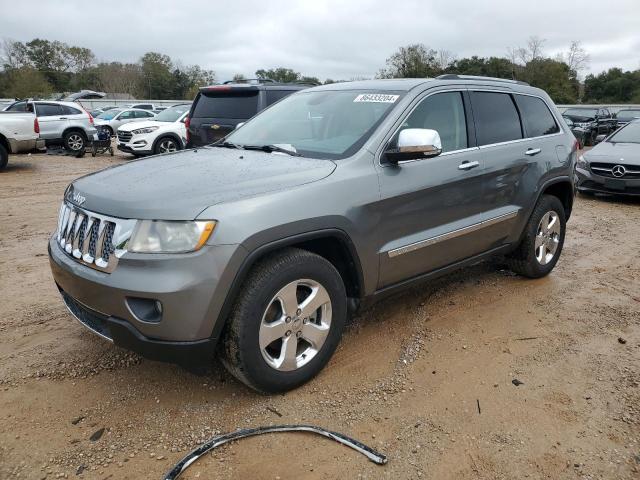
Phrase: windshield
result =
(108, 115)
(582, 112)
(628, 114)
(628, 134)
(172, 114)
(320, 124)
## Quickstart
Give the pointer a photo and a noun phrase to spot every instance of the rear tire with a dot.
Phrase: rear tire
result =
(541, 245)
(4, 157)
(74, 141)
(271, 342)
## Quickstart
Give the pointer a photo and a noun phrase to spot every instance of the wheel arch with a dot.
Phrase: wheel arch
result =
(335, 245)
(563, 189)
(80, 130)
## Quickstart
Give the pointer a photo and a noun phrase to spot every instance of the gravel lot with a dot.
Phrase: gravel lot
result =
(425, 377)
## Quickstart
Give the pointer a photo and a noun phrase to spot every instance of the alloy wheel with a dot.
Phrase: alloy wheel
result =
(75, 142)
(547, 237)
(295, 325)
(168, 146)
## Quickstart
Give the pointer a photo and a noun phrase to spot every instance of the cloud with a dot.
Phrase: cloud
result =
(328, 39)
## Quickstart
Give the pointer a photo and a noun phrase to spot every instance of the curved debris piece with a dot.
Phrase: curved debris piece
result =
(216, 441)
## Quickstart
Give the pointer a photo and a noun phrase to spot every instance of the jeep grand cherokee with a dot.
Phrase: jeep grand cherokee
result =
(335, 196)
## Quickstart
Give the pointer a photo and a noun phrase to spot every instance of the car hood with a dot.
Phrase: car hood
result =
(614, 153)
(179, 186)
(128, 127)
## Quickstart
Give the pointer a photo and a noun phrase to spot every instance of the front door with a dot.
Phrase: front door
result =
(431, 210)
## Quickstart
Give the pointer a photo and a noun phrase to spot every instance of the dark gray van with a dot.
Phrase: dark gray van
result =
(218, 109)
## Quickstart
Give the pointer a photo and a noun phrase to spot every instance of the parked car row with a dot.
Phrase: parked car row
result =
(589, 123)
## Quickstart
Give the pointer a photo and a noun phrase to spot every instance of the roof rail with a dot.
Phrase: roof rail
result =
(455, 76)
(250, 80)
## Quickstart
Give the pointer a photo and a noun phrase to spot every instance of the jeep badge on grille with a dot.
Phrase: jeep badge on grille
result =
(78, 199)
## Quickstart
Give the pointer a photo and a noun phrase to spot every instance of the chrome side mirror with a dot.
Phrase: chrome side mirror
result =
(415, 144)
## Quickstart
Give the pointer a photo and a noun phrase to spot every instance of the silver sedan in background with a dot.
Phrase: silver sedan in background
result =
(612, 166)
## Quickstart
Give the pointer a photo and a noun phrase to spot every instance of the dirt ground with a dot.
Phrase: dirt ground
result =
(426, 377)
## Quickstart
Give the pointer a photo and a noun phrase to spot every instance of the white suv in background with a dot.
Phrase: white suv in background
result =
(164, 133)
(116, 117)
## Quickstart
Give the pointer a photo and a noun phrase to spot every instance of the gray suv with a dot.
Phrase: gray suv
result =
(258, 247)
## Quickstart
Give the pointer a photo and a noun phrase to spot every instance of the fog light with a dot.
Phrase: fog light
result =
(145, 309)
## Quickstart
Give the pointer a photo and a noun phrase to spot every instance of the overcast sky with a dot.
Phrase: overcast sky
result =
(339, 39)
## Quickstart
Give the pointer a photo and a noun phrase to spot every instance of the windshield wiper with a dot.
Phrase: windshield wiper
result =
(274, 148)
(226, 145)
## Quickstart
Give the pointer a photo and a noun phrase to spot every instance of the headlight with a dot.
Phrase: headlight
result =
(156, 236)
(582, 163)
(141, 131)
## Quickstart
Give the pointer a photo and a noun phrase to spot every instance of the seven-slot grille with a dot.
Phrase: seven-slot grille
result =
(124, 137)
(606, 170)
(96, 240)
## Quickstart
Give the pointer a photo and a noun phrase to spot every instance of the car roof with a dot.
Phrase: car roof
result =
(407, 84)
(394, 84)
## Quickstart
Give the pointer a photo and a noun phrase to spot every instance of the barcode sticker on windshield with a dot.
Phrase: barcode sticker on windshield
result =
(376, 98)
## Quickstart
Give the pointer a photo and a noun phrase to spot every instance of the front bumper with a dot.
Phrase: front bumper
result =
(588, 181)
(191, 288)
(134, 149)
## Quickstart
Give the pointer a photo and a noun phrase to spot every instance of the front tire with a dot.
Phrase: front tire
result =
(540, 248)
(166, 145)
(286, 322)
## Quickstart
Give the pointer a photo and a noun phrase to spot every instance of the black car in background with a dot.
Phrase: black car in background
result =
(594, 120)
(627, 115)
(580, 133)
(218, 109)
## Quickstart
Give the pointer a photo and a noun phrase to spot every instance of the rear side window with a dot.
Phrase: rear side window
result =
(66, 110)
(274, 95)
(496, 117)
(536, 117)
(48, 110)
(228, 105)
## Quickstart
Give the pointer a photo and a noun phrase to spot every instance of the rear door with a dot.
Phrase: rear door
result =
(431, 209)
(517, 135)
(217, 110)
(51, 119)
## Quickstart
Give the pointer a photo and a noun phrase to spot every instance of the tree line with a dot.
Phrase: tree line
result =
(41, 67)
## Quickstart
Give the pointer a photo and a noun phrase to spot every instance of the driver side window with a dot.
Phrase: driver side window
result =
(444, 113)
(126, 115)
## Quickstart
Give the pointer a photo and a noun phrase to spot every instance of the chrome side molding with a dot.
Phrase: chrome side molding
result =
(452, 234)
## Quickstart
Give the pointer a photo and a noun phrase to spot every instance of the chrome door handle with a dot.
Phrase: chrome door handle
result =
(468, 165)
(533, 151)
(64, 118)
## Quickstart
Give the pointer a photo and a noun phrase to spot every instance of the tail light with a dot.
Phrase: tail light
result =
(36, 125)
(187, 124)
(90, 118)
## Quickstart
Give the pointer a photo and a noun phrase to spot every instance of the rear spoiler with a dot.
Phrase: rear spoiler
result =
(237, 88)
